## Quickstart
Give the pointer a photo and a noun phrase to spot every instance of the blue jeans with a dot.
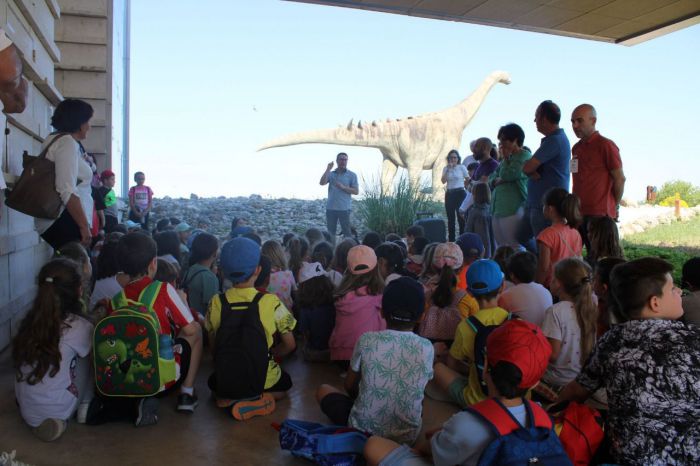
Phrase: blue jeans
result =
(532, 224)
(335, 216)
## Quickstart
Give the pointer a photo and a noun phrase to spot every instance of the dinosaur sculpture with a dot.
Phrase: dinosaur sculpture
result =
(415, 143)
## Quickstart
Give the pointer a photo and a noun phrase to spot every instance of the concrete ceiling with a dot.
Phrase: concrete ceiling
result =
(625, 22)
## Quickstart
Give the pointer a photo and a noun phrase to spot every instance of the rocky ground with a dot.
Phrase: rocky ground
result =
(272, 218)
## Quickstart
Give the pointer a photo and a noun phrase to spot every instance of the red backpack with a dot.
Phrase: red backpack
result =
(580, 430)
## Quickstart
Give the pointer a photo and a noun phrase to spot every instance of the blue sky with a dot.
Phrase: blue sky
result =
(213, 80)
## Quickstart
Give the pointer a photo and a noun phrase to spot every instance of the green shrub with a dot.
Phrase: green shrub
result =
(391, 212)
(688, 192)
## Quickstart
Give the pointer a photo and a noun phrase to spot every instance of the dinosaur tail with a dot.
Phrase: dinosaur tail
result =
(354, 136)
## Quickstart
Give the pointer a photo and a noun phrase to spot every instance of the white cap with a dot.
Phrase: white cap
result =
(310, 270)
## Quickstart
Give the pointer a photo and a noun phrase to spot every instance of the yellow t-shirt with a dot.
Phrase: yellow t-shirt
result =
(273, 314)
(468, 306)
(463, 349)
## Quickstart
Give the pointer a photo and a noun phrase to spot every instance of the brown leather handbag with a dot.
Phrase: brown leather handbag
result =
(35, 192)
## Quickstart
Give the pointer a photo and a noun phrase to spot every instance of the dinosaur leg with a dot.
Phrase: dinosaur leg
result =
(414, 173)
(388, 174)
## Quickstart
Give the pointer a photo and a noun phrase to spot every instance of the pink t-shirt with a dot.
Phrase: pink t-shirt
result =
(563, 242)
(355, 314)
(142, 196)
(282, 284)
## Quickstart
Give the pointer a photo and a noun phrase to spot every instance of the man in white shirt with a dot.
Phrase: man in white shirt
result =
(13, 87)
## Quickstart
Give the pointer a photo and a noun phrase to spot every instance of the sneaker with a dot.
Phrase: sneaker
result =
(81, 413)
(148, 412)
(244, 410)
(224, 403)
(8, 459)
(50, 429)
(187, 403)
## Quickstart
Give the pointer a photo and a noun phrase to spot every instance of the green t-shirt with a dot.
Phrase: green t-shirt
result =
(511, 194)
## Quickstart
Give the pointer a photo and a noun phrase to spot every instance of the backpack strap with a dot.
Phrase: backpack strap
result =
(148, 295)
(475, 324)
(497, 416)
(188, 280)
(537, 416)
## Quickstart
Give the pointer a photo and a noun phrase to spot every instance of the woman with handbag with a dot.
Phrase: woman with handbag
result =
(71, 119)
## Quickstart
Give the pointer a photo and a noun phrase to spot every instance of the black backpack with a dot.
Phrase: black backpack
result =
(482, 333)
(241, 355)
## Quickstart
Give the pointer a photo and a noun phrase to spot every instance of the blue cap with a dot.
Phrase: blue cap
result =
(470, 244)
(239, 259)
(484, 276)
(182, 227)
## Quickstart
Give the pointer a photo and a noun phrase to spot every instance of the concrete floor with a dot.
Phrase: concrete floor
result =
(209, 436)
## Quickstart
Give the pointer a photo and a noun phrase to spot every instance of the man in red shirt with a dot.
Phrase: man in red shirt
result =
(596, 169)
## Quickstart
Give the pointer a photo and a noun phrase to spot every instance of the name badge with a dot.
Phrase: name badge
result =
(573, 165)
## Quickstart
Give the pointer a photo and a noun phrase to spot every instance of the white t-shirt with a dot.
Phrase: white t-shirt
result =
(4, 43)
(105, 288)
(395, 368)
(70, 167)
(529, 301)
(456, 176)
(560, 324)
(57, 397)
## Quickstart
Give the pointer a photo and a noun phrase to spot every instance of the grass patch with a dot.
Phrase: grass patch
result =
(675, 243)
(391, 212)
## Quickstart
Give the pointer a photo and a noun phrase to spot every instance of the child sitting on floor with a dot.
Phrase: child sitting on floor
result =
(240, 376)
(518, 354)
(526, 299)
(415, 255)
(282, 282)
(50, 353)
(357, 303)
(460, 377)
(388, 371)
(601, 288)
(691, 281)
(649, 365)
(316, 311)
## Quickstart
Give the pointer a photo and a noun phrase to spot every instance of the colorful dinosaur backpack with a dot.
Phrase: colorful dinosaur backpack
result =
(536, 444)
(482, 333)
(324, 445)
(132, 358)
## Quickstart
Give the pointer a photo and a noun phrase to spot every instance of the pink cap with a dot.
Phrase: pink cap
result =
(361, 259)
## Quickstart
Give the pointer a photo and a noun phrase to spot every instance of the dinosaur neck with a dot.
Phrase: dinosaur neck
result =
(353, 137)
(466, 109)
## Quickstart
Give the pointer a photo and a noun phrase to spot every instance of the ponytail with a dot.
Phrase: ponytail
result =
(567, 205)
(442, 296)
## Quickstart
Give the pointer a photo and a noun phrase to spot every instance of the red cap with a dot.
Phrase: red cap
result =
(522, 344)
(106, 174)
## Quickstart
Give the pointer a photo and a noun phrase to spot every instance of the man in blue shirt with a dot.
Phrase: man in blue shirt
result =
(548, 168)
(342, 183)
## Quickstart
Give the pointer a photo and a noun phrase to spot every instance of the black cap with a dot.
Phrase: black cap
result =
(403, 300)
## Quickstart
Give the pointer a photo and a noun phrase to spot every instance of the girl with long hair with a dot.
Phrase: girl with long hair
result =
(50, 353)
(298, 252)
(358, 302)
(562, 239)
(604, 239)
(282, 281)
(316, 311)
(570, 325)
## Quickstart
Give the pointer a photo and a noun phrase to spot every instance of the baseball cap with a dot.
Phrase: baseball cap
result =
(448, 254)
(403, 300)
(522, 344)
(239, 259)
(361, 259)
(182, 227)
(106, 174)
(470, 244)
(483, 277)
(131, 224)
(310, 270)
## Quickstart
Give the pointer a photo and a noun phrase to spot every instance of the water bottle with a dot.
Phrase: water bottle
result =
(165, 347)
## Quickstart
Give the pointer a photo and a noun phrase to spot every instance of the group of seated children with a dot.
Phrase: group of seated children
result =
(399, 319)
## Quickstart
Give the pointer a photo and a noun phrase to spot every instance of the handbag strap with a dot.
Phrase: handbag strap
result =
(571, 251)
(43, 153)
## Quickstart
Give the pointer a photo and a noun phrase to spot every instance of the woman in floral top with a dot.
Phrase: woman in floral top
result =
(649, 365)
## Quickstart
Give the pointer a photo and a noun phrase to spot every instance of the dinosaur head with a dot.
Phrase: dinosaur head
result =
(112, 351)
(501, 77)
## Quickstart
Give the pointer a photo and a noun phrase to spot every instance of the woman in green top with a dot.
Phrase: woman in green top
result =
(509, 185)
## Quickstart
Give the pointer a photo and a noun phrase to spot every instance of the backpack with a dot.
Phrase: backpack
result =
(580, 430)
(482, 333)
(187, 281)
(324, 445)
(515, 444)
(241, 356)
(132, 358)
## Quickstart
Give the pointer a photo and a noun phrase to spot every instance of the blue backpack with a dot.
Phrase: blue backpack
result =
(536, 444)
(324, 445)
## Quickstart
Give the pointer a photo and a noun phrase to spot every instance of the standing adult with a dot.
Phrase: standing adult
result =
(596, 169)
(13, 89)
(342, 184)
(509, 185)
(455, 175)
(71, 119)
(486, 155)
(470, 159)
(548, 168)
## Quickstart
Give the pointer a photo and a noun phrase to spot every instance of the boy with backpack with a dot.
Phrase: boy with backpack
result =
(462, 375)
(388, 371)
(503, 429)
(179, 338)
(242, 323)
